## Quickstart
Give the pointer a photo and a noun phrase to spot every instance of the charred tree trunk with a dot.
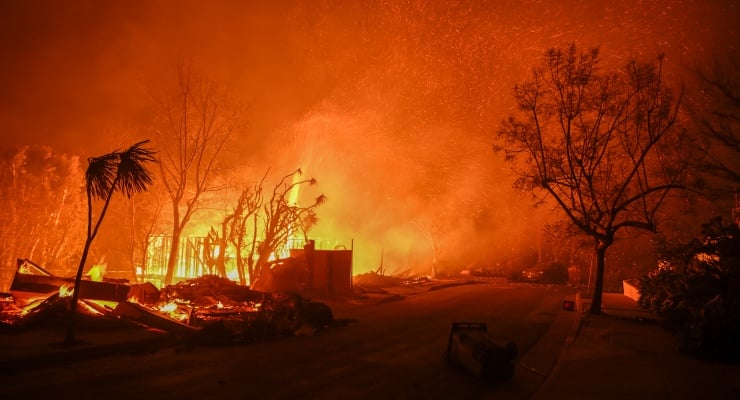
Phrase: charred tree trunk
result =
(240, 269)
(240, 261)
(221, 242)
(131, 211)
(601, 247)
(252, 248)
(172, 259)
(221, 258)
(70, 338)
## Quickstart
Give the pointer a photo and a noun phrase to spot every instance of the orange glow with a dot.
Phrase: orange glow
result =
(390, 105)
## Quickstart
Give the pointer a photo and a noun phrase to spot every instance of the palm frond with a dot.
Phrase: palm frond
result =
(134, 176)
(126, 170)
(100, 174)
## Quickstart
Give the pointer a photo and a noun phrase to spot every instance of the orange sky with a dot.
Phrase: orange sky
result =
(73, 70)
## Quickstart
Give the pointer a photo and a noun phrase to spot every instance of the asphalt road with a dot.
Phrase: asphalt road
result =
(392, 350)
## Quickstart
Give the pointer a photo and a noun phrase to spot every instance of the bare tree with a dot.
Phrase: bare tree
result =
(242, 225)
(231, 233)
(606, 147)
(119, 171)
(143, 219)
(282, 218)
(198, 121)
(715, 108)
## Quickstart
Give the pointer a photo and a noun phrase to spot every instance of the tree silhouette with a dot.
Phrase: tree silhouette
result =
(606, 147)
(281, 218)
(260, 225)
(119, 171)
(715, 109)
(239, 228)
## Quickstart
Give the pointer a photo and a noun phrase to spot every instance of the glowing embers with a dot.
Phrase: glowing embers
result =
(211, 300)
(219, 311)
(65, 291)
(25, 309)
(175, 310)
(185, 311)
(10, 310)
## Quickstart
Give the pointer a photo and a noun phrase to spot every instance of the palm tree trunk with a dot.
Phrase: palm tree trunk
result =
(70, 339)
(132, 176)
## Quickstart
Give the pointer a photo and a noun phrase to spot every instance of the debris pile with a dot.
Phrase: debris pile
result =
(375, 282)
(208, 309)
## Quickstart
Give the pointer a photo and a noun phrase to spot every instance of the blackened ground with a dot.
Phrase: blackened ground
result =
(390, 349)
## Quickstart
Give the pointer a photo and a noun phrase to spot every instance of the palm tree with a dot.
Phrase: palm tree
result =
(123, 171)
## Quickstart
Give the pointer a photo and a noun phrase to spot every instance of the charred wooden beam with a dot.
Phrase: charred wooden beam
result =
(145, 316)
(31, 277)
(88, 289)
(31, 266)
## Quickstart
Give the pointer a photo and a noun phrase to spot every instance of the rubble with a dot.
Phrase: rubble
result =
(208, 309)
(32, 278)
(392, 287)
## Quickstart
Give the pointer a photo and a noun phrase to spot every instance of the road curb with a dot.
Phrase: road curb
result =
(573, 332)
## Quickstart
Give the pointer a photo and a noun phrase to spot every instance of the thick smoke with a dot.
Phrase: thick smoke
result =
(391, 105)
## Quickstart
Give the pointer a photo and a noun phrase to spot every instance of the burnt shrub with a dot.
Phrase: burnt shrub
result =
(696, 290)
